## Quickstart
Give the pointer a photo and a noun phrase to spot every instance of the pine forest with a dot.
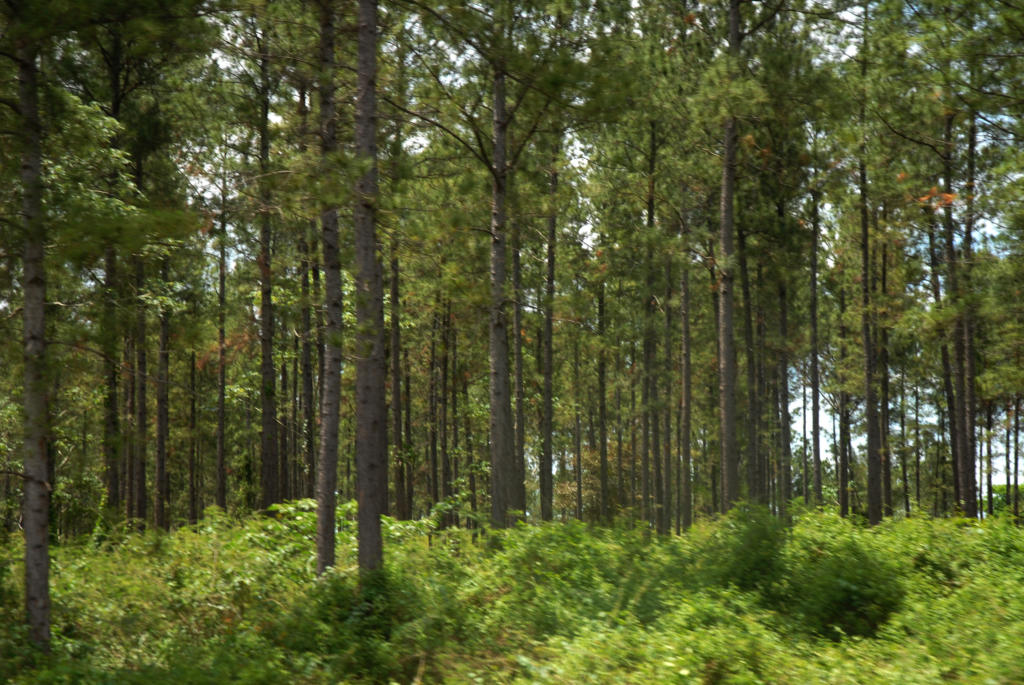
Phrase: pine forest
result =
(575, 341)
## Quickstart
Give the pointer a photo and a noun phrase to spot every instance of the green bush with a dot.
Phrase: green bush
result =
(742, 550)
(740, 599)
(834, 581)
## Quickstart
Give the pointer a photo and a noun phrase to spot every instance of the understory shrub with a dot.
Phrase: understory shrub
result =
(834, 581)
(741, 599)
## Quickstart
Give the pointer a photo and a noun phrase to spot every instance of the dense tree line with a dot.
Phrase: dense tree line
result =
(252, 252)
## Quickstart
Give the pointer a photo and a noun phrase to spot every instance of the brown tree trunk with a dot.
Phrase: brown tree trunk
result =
(446, 465)
(755, 485)
(883, 375)
(963, 418)
(37, 485)
(686, 395)
(327, 464)
(371, 376)
(222, 237)
(402, 504)
(970, 402)
(843, 476)
(433, 477)
(1016, 460)
(726, 348)
(128, 420)
(874, 456)
(112, 376)
(815, 375)
(903, 445)
(667, 492)
(141, 414)
(577, 429)
(269, 485)
(546, 484)
(193, 443)
(284, 429)
(504, 489)
(786, 454)
(309, 416)
(517, 353)
(162, 494)
(917, 450)
(990, 505)
(602, 408)
(947, 372)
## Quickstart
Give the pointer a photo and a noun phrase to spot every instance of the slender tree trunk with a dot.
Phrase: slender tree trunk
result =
(883, 376)
(162, 495)
(327, 464)
(970, 402)
(962, 419)
(988, 466)
(874, 456)
(577, 429)
(947, 372)
(434, 478)
(141, 380)
(786, 455)
(804, 471)
(903, 445)
(917, 450)
(726, 350)
(1016, 460)
(309, 416)
(111, 373)
(517, 351)
(128, 435)
(1009, 456)
(755, 486)
(37, 485)
(446, 467)
(545, 463)
(504, 489)
(645, 431)
(843, 476)
(402, 504)
(632, 436)
(222, 238)
(667, 490)
(284, 429)
(651, 491)
(815, 374)
(371, 376)
(686, 396)
(620, 490)
(455, 413)
(270, 488)
(193, 442)
(470, 465)
(602, 408)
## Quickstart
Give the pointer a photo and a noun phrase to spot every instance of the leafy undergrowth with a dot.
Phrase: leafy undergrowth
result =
(739, 600)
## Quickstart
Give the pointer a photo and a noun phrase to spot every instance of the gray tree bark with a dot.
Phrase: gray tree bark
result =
(726, 346)
(37, 485)
(371, 377)
(327, 465)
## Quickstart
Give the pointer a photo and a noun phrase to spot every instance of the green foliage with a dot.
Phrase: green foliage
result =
(836, 582)
(742, 599)
(743, 549)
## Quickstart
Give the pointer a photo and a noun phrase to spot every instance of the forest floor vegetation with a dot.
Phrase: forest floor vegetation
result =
(742, 599)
